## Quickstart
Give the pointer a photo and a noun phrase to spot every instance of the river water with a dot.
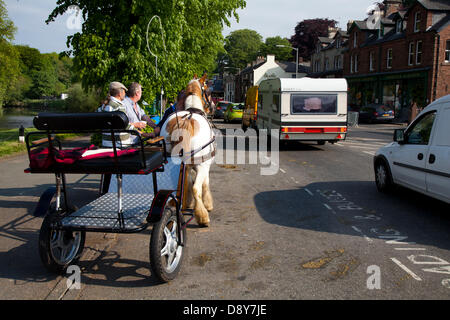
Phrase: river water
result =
(13, 118)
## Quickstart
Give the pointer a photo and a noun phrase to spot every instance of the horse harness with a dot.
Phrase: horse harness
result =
(204, 158)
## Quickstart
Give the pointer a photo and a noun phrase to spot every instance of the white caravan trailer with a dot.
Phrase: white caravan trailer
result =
(304, 109)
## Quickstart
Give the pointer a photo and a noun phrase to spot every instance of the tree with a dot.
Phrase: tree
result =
(113, 46)
(306, 34)
(243, 46)
(281, 54)
(9, 62)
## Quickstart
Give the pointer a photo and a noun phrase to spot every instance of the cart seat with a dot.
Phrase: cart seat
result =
(140, 162)
(126, 164)
(81, 121)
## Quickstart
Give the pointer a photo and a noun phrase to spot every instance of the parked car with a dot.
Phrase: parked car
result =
(221, 106)
(234, 112)
(376, 112)
(419, 157)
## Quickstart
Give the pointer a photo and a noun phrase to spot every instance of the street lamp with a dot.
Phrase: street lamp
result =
(296, 49)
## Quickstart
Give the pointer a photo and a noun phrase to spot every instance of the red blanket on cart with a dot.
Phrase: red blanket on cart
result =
(42, 158)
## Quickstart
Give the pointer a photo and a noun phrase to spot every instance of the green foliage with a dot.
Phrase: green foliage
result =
(40, 75)
(113, 46)
(81, 101)
(243, 46)
(9, 63)
(281, 54)
(7, 28)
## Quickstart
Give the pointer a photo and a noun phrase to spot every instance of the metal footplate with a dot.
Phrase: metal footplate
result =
(102, 214)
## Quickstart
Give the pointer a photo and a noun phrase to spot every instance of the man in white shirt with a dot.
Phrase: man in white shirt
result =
(136, 116)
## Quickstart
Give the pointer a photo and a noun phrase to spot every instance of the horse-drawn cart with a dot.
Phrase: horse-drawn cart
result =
(62, 234)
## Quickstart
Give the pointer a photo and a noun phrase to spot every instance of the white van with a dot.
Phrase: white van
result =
(419, 157)
(304, 109)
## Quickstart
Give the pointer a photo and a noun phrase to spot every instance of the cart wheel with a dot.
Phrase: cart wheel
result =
(59, 248)
(166, 255)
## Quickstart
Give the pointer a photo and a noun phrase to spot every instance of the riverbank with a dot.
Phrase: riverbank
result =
(10, 145)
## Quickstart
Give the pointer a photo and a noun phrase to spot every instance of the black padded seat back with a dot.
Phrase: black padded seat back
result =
(81, 121)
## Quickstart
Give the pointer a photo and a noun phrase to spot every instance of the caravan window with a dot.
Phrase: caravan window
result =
(309, 103)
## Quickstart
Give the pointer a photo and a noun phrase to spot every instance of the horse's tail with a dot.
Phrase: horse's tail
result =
(181, 131)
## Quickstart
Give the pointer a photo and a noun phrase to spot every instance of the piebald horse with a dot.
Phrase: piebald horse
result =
(187, 132)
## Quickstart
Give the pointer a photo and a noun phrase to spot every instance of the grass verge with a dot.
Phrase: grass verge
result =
(10, 145)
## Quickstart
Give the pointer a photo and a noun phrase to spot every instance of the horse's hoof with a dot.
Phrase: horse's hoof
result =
(204, 225)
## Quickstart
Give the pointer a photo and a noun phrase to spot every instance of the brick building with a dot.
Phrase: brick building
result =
(327, 60)
(405, 57)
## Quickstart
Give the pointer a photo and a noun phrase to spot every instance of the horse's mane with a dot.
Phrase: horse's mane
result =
(181, 130)
(194, 87)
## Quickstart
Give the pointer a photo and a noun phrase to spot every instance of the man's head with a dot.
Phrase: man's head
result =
(117, 90)
(135, 91)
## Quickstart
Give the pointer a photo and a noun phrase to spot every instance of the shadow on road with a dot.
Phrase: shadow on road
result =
(423, 220)
(21, 263)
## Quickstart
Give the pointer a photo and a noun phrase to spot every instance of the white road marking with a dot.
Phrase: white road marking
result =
(327, 206)
(369, 153)
(401, 265)
(407, 249)
(371, 144)
(310, 193)
(282, 170)
(359, 231)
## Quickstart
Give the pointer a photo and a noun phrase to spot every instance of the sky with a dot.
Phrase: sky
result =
(269, 18)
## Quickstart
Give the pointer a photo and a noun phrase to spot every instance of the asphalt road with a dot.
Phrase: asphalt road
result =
(317, 229)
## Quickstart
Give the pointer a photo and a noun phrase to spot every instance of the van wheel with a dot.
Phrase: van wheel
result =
(321, 143)
(383, 177)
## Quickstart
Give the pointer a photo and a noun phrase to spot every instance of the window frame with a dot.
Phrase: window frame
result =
(389, 58)
(447, 51)
(411, 53)
(313, 95)
(399, 26)
(419, 54)
(414, 125)
(417, 21)
(371, 61)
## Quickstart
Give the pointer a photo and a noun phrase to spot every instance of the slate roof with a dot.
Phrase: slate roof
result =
(289, 66)
(440, 5)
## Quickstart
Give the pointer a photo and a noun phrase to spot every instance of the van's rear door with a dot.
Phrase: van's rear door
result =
(438, 161)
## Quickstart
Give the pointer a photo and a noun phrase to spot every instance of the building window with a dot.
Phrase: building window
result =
(399, 26)
(419, 52)
(371, 61)
(389, 59)
(351, 64)
(356, 63)
(337, 63)
(338, 43)
(316, 66)
(447, 51)
(381, 31)
(327, 64)
(355, 38)
(411, 54)
(417, 22)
